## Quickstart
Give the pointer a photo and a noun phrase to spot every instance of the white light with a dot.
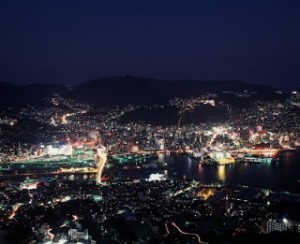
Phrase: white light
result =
(284, 220)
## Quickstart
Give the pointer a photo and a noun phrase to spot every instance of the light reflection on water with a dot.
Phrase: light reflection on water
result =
(221, 173)
(275, 174)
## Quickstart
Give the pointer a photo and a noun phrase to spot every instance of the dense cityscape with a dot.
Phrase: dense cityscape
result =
(53, 190)
(144, 122)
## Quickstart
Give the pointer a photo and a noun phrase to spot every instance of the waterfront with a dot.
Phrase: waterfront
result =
(278, 175)
(281, 175)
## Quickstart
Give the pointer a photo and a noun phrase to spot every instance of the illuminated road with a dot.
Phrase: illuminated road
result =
(51, 235)
(190, 234)
(193, 185)
(167, 230)
(102, 158)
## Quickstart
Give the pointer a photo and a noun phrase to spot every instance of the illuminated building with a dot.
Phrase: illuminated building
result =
(276, 225)
(134, 149)
(53, 150)
(205, 193)
(76, 236)
(156, 177)
(222, 158)
(29, 184)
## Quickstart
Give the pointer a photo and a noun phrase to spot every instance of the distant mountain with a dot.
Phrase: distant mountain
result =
(8, 94)
(123, 90)
(129, 89)
(34, 94)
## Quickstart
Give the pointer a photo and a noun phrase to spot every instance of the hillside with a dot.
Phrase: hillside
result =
(136, 90)
(112, 91)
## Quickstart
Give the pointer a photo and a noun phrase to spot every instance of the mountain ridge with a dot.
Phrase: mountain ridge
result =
(122, 90)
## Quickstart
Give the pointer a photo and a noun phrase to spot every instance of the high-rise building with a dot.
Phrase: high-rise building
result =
(276, 225)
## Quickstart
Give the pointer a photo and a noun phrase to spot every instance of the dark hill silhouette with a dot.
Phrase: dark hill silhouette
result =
(123, 90)
(34, 94)
(137, 90)
(9, 95)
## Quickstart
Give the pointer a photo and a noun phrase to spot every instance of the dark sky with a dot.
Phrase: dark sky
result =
(71, 41)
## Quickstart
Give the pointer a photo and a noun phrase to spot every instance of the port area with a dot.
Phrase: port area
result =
(225, 158)
(48, 165)
(135, 161)
(65, 165)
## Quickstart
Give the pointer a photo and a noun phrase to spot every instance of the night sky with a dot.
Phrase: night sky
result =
(72, 41)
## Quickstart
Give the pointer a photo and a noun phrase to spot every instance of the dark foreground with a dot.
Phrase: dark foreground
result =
(147, 212)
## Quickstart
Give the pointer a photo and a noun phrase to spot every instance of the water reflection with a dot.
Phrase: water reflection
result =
(200, 169)
(189, 163)
(274, 174)
(166, 173)
(161, 158)
(221, 173)
(280, 174)
(76, 177)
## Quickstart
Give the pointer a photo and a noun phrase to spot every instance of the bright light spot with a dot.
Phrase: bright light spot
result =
(75, 218)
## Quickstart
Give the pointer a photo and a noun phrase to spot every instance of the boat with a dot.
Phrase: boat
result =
(257, 160)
